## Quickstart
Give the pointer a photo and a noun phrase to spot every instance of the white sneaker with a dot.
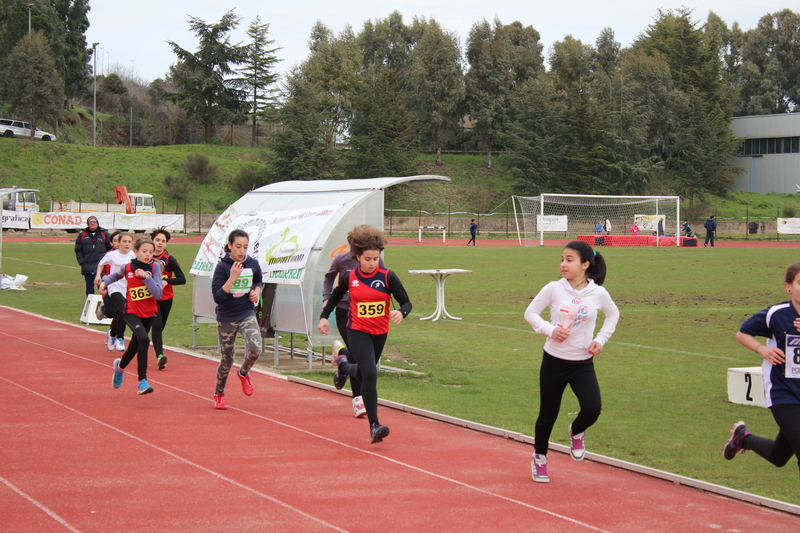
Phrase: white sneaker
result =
(109, 341)
(539, 468)
(576, 447)
(358, 407)
(119, 345)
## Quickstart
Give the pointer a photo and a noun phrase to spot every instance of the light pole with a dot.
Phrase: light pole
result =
(29, 17)
(94, 100)
(102, 56)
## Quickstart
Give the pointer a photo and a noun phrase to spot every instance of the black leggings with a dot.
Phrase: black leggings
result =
(786, 444)
(118, 322)
(164, 307)
(140, 342)
(341, 325)
(554, 376)
(366, 350)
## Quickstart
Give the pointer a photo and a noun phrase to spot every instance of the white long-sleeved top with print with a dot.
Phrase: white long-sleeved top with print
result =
(576, 311)
(117, 260)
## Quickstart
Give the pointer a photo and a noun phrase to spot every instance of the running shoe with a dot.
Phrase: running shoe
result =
(100, 312)
(118, 374)
(162, 361)
(219, 401)
(119, 345)
(576, 448)
(339, 379)
(358, 407)
(247, 385)
(109, 341)
(734, 444)
(378, 432)
(144, 387)
(539, 468)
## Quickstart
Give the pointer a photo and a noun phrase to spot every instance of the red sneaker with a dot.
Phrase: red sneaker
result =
(247, 385)
(219, 401)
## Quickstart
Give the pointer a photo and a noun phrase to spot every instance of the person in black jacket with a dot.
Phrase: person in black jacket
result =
(90, 246)
(711, 230)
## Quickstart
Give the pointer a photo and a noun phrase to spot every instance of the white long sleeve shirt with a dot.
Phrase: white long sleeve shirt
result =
(116, 260)
(576, 311)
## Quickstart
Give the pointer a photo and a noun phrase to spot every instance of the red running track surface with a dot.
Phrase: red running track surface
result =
(78, 455)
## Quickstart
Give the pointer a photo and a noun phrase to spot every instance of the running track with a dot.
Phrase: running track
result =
(78, 455)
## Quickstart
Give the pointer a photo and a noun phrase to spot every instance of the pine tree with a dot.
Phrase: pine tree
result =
(258, 75)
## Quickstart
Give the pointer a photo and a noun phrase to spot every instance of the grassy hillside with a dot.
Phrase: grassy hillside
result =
(70, 171)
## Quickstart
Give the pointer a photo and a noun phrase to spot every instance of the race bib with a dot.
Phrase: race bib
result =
(243, 283)
(371, 309)
(792, 356)
(139, 293)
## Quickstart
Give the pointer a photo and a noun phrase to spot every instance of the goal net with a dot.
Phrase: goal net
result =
(556, 219)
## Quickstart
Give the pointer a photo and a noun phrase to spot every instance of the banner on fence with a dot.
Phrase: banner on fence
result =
(789, 226)
(281, 241)
(650, 222)
(148, 222)
(16, 219)
(552, 222)
(137, 222)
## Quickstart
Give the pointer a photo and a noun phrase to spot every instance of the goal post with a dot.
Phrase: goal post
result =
(555, 219)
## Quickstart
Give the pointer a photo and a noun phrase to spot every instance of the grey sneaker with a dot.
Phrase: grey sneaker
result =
(576, 448)
(539, 468)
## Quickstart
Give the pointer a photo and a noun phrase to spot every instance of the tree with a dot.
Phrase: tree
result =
(32, 83)
(113, 84)
(258, 74)
(571, 62)
(435, 85)
(203, 88)
(498, 62)
(380, 129)
(387, 42)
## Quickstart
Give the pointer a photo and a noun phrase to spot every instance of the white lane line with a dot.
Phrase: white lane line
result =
(179, 458)
(40, 506)
(300, 430)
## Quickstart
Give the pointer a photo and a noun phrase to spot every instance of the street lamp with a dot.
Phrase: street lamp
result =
(29, 17)
(94, 101)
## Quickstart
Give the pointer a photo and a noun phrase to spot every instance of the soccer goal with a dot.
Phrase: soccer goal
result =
(556, 219)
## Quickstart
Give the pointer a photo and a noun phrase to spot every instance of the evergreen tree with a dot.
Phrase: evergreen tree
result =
(258, 74)
(204, 89)
(34, 88)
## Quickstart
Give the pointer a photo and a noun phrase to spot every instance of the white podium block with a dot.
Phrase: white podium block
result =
(89, 314)
(746, 386)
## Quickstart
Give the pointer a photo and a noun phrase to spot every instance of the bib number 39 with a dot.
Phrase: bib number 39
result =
(371, 309)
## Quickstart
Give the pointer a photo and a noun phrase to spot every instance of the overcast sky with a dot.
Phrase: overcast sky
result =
(133, 35)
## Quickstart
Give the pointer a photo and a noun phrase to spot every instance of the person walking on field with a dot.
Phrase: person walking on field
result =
(473, 231)
(571, 346)
(711, 230)
(91, 245)
(172, 275)
(780, 325)
(236, 286)
(606, 225)
(341, 265)
(143, 276)
(371, 288)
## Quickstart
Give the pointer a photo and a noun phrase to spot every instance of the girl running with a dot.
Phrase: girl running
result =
(116, 260)
(371, 288)
(236, 286)
(574, 301)
(780, 324)
(107, 310)
(172, 275)
(143, 289)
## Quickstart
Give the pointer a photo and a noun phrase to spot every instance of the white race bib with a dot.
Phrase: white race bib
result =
(243, 283)
(792, 352)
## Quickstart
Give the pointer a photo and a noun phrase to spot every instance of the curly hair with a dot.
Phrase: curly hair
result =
(363, 238)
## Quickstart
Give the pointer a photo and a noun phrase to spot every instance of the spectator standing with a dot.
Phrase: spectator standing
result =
(606, 225)
(711, 230)
(91, 245)
(473, 231)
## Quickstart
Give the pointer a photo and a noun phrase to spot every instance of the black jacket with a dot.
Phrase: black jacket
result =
(90, 248)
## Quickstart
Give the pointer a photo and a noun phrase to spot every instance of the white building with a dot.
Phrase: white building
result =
(770, 157)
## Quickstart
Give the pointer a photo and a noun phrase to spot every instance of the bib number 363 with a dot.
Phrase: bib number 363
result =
(371, 309)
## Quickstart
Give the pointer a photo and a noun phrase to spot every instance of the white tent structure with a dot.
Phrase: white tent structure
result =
(296, 229)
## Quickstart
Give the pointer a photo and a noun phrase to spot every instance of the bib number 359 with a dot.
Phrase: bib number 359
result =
(371, 309)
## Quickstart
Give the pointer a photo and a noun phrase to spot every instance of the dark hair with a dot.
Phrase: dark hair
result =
(473, 220)
(161, 231)
(111, 237)
(597, 265)
(233, 235)
(363, 238)
(143, 240)
(791, 273)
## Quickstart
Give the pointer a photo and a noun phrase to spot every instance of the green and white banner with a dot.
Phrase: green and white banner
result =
(281, 241)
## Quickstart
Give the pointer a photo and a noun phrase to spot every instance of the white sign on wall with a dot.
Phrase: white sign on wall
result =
(552, 222)
(16, 219)
(789, 226)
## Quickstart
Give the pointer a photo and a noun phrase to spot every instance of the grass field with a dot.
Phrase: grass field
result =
(663, 374)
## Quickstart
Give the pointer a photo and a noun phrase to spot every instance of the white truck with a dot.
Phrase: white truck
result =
(23, 200)
(142, 203)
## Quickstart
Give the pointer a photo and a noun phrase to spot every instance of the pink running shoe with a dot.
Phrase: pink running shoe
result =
(219, 401)
(576, 447)
(358, 407)
(247, 385)
(539, 468)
